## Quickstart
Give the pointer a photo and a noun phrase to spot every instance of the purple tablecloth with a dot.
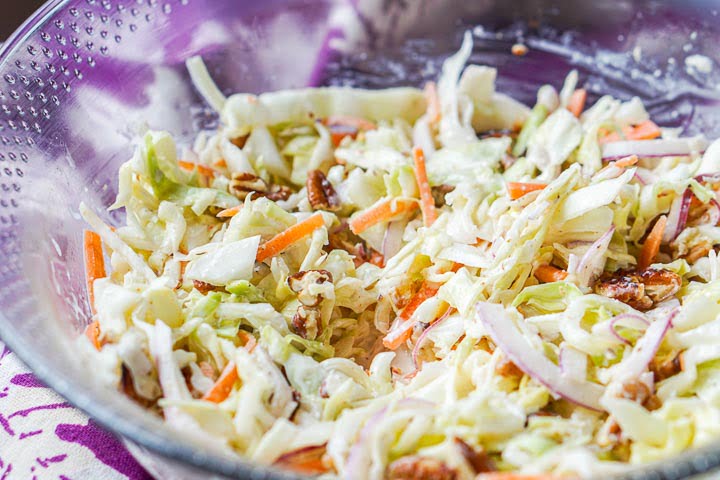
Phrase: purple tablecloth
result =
(44, 437)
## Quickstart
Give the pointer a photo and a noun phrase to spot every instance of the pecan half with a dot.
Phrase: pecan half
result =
(306, 322)
(439, 192)
(243, 184)
(639, 289)
(479, 461)
(302, 284)
(320, 192)
(419, 468)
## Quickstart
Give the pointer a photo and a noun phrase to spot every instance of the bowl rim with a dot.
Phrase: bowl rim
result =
(691, 462)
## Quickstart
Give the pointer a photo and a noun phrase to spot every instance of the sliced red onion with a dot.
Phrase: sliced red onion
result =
(523, 353)
(666, 147)
(358, 460)
(392, 242)
(645, 349)
(592, 260)
(424, 334)
(678, 215)
(628, 320)
(708, 177)
(573, 363)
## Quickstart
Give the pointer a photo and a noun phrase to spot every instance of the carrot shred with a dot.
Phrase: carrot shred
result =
(646, 130)
(201, 169)
(223, 386)
(381, 212)
(519, 189)
(220, 163)
(229, 212)
(651, 247)
(549, 274)
(285, 239)
(626, 161)
(402, 333)
(576, 104)
(427, 203)
(433, 102)
(92, 332)
(249, 341)
(94, 263)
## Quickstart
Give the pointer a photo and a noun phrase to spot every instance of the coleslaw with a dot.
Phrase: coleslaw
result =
(412, 284)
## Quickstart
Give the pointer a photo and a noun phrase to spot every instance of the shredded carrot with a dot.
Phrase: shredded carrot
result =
(382, 211)
(201, 169)
(229, 212)
(220, 163)
(626, 161)
(518, 189)
(249, 341)
(306, 460)
(549, 274)
(651, 247)
(427, 203)
(292, 235)
(576, 104)
(94, 263)
(222, 388)
(402, 333)
(646, 130)
(433, 102)
(92, 332)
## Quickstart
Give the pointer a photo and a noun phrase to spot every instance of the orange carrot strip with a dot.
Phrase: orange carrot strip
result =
(92, 332)
(433, 102)
(220, 163)
(518, 189)
(285, 239)
(201, 169)
(646, 130)
(626, 162)
(427, 204)
(651, 247)
(549, 274)
(222, 388)
(229, 212)
(576, 104)
(249, 341)
(401, 334)
(381, 212)
(94, 263)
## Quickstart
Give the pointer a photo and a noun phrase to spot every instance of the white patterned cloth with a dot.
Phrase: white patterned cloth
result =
(44, 437)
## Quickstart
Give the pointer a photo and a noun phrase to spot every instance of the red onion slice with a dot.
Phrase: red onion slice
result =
(392, 242)
(424, 334)
(628, 320)
(523, 353)
(678, 215)
(666, 147)
(590, 262)
(645, 349)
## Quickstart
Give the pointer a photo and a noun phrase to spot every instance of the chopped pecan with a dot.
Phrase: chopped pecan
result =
(697, 252)
(636, 391)
(666, 367)
(243, 184)
(639, 289)
(320, 192)
(479, 461)
(302, 283)
(506, 368)
(439, 192)
(419, 468)
(239, 141)
(346, 240)
(306, 322)
(204, 287)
